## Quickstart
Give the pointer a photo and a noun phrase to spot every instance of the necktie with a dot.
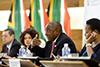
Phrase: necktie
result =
(52, 49)
(7, 50)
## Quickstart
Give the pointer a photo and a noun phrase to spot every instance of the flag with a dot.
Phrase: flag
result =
(18, 20)
(38, 17)
(92, 10)
(58, 11)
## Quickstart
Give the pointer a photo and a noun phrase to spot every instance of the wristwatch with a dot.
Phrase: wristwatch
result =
(88, 44)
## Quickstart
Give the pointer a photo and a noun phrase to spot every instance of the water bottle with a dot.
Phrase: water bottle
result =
(65, 50)
(22, 52)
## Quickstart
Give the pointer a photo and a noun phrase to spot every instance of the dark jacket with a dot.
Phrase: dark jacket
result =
(13, 50)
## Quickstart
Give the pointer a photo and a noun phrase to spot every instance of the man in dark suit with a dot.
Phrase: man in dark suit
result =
(11, 45)
(54, 34)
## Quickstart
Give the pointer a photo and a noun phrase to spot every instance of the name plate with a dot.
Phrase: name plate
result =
(14, 62)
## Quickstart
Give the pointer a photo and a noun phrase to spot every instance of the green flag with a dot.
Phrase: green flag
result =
(18, 20)
(58, 11)
(38, 17)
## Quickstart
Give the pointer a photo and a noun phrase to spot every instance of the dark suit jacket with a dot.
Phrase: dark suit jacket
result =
(13, 50)
(59, 44)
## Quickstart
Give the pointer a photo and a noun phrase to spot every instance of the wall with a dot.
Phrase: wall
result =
(6, 4)
(77, 38)
(1, 42)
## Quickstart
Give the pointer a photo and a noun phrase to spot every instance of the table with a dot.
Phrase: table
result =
(63, 63)
(24, 63)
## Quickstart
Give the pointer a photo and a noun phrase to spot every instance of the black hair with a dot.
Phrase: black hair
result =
(10, 31)
(94, 24)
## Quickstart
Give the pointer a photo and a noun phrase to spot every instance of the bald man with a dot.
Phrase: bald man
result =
(54, 34)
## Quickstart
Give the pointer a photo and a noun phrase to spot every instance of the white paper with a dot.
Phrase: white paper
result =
(14, 62)
(85, 58)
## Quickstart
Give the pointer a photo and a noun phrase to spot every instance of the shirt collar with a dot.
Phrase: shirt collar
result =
(55, 39)
(9, 46)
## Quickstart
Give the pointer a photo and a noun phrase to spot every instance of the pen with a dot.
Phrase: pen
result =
(54, 57)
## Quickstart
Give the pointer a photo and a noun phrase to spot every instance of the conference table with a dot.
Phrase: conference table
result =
(64, 62)
(87, 60)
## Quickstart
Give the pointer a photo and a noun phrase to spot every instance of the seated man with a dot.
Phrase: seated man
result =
(54, 34)
(11, 45)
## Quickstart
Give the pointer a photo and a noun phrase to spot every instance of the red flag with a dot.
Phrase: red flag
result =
(26, 18)
(67, 20)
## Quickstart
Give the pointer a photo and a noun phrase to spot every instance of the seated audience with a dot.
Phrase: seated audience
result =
(92, 34)
(11, 45)
(54, 34)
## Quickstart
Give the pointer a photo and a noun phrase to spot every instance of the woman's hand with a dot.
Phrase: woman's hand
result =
(89, 45)
(92, 37)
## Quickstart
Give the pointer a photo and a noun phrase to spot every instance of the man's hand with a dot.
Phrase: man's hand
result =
(58, 57)
(36, 41)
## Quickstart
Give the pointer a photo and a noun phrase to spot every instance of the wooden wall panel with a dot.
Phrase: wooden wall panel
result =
(27, 3)
(46, 3)
(6, 4)
(72, 3)
(77, 38)
(81, 3)
(1, 42)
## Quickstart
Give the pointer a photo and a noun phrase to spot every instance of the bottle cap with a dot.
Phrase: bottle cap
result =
(22, 46)
(66, 45)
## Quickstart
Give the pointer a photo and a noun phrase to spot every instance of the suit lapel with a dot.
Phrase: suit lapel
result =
(11, 46)
(58, 40)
